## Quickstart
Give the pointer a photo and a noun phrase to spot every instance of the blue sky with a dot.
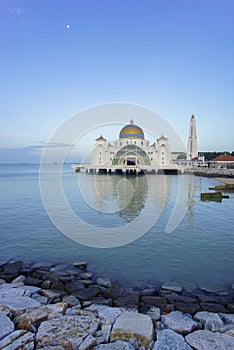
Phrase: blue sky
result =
(173, 56)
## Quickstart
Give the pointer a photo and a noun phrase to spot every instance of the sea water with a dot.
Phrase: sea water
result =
(183, 238)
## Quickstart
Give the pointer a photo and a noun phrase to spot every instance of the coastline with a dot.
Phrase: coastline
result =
(34, 297)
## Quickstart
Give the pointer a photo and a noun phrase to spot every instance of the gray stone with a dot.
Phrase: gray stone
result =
(160, 302)
(230, 307)
(20, 278)
(18, 340)
(228, 318)
(6, 326)
(6, 311)
(202, 340)
(173, 286)
(80, 265)
(13, 267)
(31, 289)
(17, 304)
(6, 291)
(66, 331)
(212, 307)
(39, 298)
(50, 294)
(104, 281)
(117, 345)
(71, 300)
(88, 343)
(86, 275)
(129, 300)
(57, 284)
(203, 316)
(117, 290)
(32, 281)
(179, 322)
(87, 293)
(170, 340)
(132, 324)
(103, 335)
(190, 308)
(149, 292)
(46, 284)
(154, 313)
(107, 314)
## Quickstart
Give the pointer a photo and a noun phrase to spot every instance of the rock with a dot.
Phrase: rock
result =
(71, 300)
(18, 303)
(57, 284)
(13, 267)
(154, 313)
(187, 307)
(6, 326)
(88, 343)
(31, 289)
(100, 300)
(117, 345)
(6, 311)
(87, 293)
(30, 319)
(103, 335)
(6, 291)
(107, 314)
(180, 322)
(80, 265)
(212, 307)
(32, 281)
(201, 340)
(230, 307)
(149, 292)
(39, 298)
(159, 302)
(170, 340)
(46, 284)
(203, 316)
(18, 340)
(21, 278)
(117, 290)
(104, 281)
(173, 286)
(212, 287)
(51, 294)
(66, 331)
(132, 324)
(227, 318)
(73, 286)
(86, 275)
(130, 300)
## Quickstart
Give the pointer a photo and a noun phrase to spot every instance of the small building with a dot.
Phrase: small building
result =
(223, 161)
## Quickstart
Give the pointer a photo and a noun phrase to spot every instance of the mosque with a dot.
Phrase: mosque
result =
(131, 153)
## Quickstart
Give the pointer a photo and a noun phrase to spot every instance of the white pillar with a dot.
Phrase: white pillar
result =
(192, 140)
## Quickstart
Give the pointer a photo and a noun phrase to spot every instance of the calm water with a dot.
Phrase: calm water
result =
(200, 249)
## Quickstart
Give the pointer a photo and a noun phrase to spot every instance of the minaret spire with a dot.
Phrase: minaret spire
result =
(192, 139)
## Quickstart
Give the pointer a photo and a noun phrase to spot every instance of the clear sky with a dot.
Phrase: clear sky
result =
(58, 57)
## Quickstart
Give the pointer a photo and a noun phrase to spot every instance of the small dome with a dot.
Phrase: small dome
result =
(131, 131)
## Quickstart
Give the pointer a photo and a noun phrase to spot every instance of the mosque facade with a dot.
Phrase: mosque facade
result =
(131, 153)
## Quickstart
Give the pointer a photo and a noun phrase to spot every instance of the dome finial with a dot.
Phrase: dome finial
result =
(131, 121)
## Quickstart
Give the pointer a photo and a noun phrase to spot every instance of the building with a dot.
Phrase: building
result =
(131, 153)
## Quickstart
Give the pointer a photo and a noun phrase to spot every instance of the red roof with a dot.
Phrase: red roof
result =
(223, 158)
(100, 138)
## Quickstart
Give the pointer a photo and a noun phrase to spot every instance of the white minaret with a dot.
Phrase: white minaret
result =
(192, 140)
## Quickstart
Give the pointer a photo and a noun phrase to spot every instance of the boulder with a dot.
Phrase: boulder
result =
(6, 326)
(117, 345)
(107, 314)
(170, 340)
(200, 340)
(228, 318)
(18, 340)
(154, 313)
(18, 303)
(82, 265)
(104, 281)
(88, 343)
(180, 322)
(13, 267)
(133, 325)
(203, 316)
(87, 293)
(173, 286)
(66, 331)
(212, 307)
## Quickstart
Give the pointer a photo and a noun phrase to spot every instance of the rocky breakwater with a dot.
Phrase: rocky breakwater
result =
(64, 307)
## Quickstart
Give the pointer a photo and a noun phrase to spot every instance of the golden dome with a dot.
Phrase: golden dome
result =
(131, 131)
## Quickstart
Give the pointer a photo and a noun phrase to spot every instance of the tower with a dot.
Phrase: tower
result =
(192, 140)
